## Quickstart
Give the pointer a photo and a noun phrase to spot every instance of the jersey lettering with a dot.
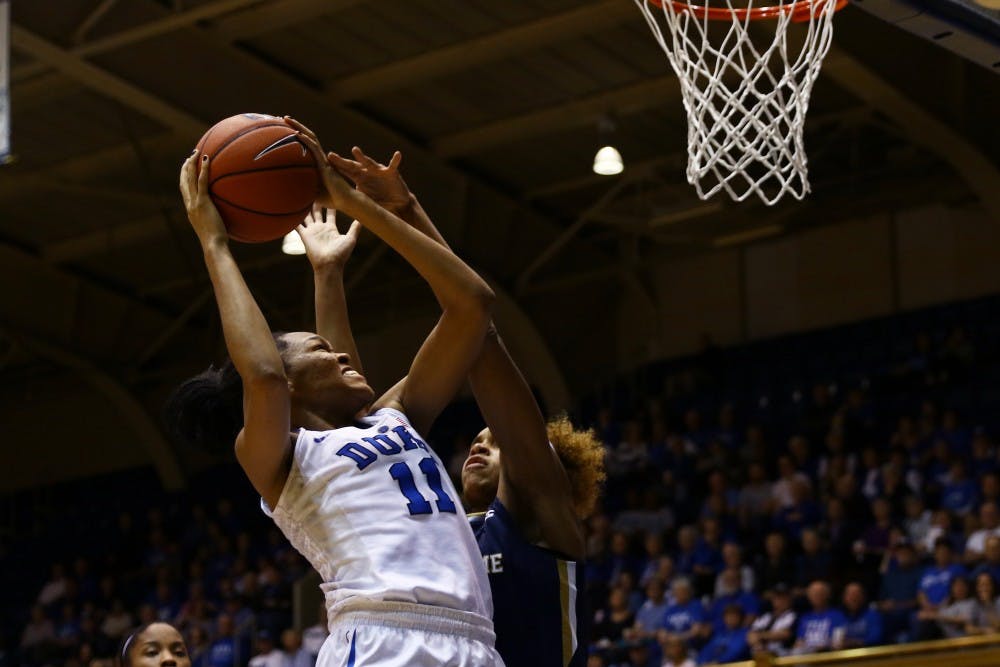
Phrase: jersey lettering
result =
(385, 445)
(493, 563)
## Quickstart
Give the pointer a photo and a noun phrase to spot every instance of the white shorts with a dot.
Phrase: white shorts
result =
(368, 633)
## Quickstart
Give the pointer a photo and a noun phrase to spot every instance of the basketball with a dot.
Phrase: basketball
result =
(261, 178)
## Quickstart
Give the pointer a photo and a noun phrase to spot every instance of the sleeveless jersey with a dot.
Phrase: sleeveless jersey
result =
(538, 597)
(371, 510)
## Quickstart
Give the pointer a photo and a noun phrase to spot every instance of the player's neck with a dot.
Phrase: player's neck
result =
(315, 421)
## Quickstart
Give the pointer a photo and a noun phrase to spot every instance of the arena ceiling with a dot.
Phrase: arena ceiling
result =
(496, 107)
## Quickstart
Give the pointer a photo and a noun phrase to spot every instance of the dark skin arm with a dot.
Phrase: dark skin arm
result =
(533, 485)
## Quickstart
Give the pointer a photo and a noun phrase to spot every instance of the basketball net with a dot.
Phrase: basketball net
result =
(746, 102)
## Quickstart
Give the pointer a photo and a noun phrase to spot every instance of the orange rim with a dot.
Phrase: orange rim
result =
(800, 11)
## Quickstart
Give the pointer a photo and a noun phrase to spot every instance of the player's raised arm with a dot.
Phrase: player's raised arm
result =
(262, 447)
(533, 483)
(443, 361)
(328, 251)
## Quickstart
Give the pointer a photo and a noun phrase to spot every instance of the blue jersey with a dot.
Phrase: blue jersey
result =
(538, 603)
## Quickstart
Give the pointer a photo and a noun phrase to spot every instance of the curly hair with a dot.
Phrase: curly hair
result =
(582, 455)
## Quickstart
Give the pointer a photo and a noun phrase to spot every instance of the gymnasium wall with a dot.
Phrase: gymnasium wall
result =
(836, 274)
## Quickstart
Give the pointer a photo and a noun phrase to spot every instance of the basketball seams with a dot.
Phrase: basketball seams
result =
(240, 134)
(280, 167)
(256, 212)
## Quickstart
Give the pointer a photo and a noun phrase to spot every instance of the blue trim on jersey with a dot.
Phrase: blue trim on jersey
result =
(351, 656)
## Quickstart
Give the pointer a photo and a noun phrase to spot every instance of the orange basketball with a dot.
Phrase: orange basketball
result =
(261, 177)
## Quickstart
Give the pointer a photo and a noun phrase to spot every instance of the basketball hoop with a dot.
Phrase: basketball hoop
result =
(746, 103)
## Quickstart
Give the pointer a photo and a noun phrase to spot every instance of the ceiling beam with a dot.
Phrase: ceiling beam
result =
(142, 32)
(921, 126)
(121, 400)
(578, 113)
(105, 83)
(275, 16)
(488, 48)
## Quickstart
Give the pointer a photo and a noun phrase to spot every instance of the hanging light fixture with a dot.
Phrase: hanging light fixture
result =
(607, 161)
(292, 244)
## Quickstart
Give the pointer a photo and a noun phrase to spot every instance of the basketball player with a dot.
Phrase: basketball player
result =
(353, 486)
(526, 485)
(154, 645)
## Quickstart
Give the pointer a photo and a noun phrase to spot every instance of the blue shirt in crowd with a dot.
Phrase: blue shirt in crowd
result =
(817, 627)
(726, 645)
(865, 628)
(746, 601)
(936, 581)
(680, 617)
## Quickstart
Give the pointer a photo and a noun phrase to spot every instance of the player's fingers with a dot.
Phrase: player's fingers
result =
(343, 164)
(353, 231)
(187, 170)
(300, 127)
(203, 176)
(363, 158)
(397, 157)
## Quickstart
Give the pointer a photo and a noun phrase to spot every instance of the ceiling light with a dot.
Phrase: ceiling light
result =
(608, 161)
(292, 244)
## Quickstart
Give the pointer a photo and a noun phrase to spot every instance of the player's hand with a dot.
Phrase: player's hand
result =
(325, 246)
(336, 191)
(201, 212)
(383, 183)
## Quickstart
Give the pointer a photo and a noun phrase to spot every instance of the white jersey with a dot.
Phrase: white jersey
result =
(372, 510)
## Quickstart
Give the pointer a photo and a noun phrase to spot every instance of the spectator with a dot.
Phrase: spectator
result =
(728, 643)
(782, 495)
(773, 566)
(940, 528)
(198, 646)
(224, 651)
(898, 594)
(991, 562)
(611, 622)
(864, 622)
(986, 612)
(754, 503)
(292, 653)
(730, 594)
(685, 618)
(802, 513)
(55, 588)
(675, 652)
(39, 635)
(732, 559)
(989, 526)
(876, 535)
(917, 519)
(814, 561)
(774, 631)
(935, 582)
(653, 546)
(649, 618)
(117, 622)
(314, 636)
(960, 493)
(822, 629)
(952, 618)
(265, 653)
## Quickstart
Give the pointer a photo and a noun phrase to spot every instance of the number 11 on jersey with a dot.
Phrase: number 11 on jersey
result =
(416, 503)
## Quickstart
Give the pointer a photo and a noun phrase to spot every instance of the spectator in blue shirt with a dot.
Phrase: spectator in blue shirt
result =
(935, 582)
(729, 643)
(649, 618)
(822, 629)
(864, 623)
(224, 651)
(732, 594)
(960, 493)
(686, 617)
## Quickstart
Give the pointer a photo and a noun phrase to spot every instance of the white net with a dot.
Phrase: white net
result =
(745, 91)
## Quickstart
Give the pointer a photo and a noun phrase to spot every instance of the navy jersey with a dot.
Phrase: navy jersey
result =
(538, 597)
